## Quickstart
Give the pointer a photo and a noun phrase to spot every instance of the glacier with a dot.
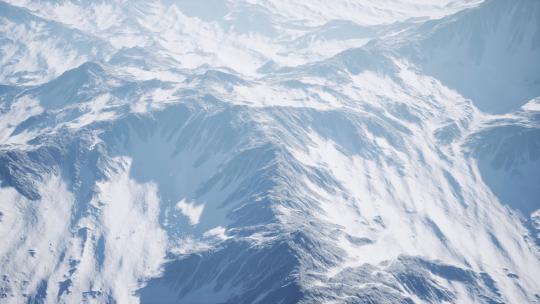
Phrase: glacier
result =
(270, 151)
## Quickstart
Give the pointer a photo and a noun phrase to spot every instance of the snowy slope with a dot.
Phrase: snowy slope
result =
(500, 39)
(269, 152)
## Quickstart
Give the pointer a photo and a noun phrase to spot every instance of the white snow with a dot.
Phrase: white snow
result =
(190, 210)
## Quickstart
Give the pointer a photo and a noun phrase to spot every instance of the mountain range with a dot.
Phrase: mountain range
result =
(270, 151)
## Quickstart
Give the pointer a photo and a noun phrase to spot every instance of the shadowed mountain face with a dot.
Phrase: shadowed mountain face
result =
(269, 152)
(488, 54)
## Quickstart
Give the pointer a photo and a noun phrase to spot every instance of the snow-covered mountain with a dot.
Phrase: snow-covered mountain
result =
(269, 151)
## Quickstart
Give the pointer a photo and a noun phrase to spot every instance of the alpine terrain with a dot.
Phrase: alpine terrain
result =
(270, 151)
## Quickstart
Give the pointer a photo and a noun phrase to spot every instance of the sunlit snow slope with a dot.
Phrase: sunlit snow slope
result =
(269, 151)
